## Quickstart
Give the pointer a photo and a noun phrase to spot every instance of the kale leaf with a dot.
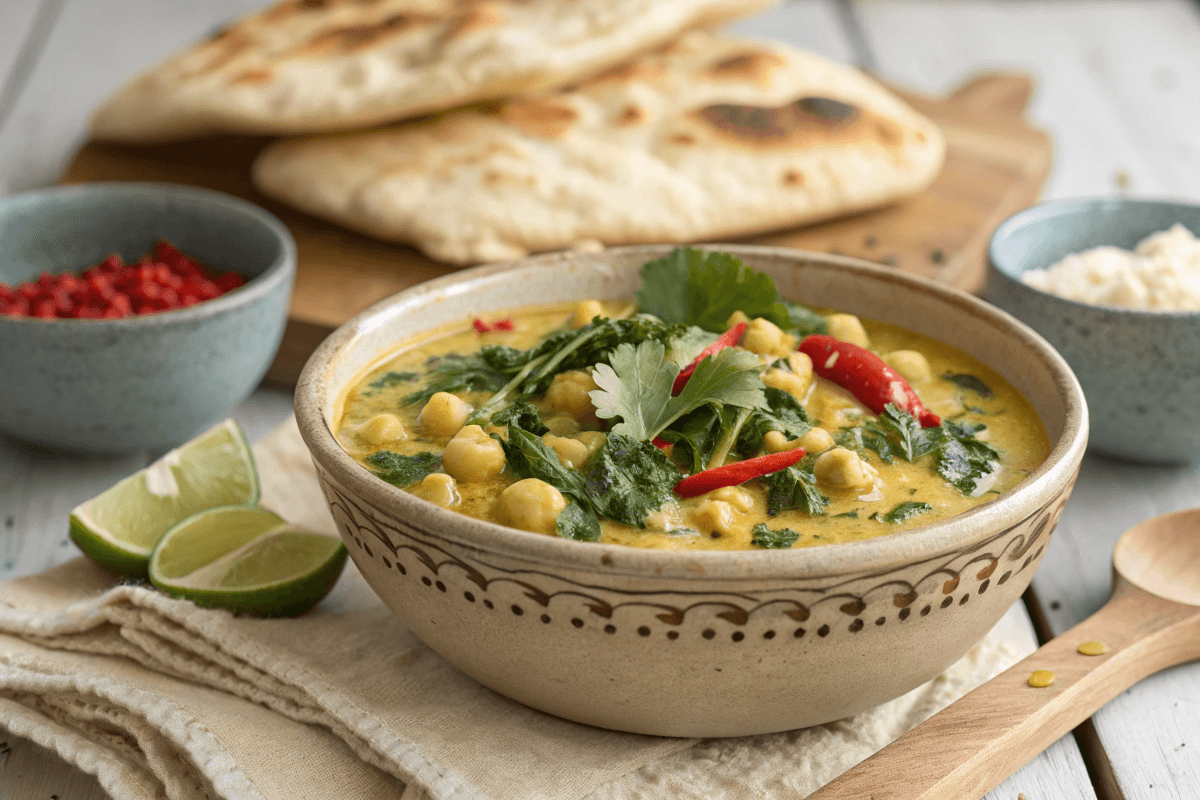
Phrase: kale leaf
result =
(779, 538)
(794, 487)
(968, 382)
(628, 479)
(903, 512)
(783, 413)
(403, 470)
(700, 287)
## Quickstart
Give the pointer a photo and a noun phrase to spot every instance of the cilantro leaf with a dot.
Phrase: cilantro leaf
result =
(903, 512)
(403, 470)
(805, 321)
(577, 522)
(783, 413)
(524, 414)
(700, 287)
(628, 479)
(901, 430)
(778, 538)
(684, 348)
(636, 386)
(794, 487)
(968, 382)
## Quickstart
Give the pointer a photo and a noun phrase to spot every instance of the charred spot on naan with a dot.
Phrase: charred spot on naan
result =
(644, 70)
(751, 66)
(544, 118)
(631, 115)
(351, 38)
(253, 77)
(477, 17)
(807, 121)
(220, 51)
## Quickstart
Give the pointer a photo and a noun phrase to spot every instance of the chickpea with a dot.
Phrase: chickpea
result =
(801, 365)
(737, 497)
(848, 328)
(776, 442)
(381, 429)
(472, 455)
(592, 440)
(911, 365)
(840, 468)
(568, 393)
(439, 488)
(817, 440)
(765, 338)
(794, 385)
(735, 319)
(585, 312)
(571, 452)
(444, 414)
(532, 505)
(562, 425)
(713, 515)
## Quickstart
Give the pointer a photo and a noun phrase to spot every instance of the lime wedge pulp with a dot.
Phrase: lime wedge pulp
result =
(247, 559)
(120, 527)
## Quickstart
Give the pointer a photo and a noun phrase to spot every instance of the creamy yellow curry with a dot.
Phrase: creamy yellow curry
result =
(640, 424)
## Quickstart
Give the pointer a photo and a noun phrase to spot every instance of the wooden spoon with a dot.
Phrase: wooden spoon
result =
(1150, 622)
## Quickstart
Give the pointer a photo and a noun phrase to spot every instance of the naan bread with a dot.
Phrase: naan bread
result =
(706, 139)
(309, 66)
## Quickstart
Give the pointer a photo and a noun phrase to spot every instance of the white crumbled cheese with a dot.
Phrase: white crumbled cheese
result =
(1161, 274)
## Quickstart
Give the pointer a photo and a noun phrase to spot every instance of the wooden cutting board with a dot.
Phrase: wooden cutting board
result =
(995, 164)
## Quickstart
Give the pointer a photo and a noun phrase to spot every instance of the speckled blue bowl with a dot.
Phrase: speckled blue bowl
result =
(148, 382)
(1139, 370)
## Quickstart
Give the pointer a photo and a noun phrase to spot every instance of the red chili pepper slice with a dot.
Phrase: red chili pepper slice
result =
(727, 339)
(735, 474)
(480, 326)
(503, 325)
(865, 376)
(660, 443)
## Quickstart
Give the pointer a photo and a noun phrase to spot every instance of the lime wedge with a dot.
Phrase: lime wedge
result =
(120, 527)
(247, 559)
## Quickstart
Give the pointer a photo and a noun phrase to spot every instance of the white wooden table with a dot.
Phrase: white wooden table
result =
(1118, 85)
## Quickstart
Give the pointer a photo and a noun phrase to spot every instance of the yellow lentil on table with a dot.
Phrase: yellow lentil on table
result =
(1093, 648)
(1041, 678)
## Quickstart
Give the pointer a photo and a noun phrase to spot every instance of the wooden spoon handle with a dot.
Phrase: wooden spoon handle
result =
(975, 743)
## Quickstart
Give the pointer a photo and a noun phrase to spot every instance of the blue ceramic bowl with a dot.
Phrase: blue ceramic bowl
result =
(147, 382)
(1140, 370)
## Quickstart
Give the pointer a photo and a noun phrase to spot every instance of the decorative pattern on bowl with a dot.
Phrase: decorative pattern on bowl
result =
(697, 643)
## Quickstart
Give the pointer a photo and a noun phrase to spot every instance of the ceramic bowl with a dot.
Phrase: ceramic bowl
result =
(1140, 370)
(147, 382)
(695, 643)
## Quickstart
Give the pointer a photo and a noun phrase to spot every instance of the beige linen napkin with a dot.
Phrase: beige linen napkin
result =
(161, 699)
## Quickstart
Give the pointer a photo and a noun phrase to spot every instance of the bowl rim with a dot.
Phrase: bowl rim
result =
(280, 270)
(1070, 207)
(883, 553)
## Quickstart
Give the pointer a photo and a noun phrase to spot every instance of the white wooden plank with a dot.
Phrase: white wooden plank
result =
(1116, 79)
(814, 25)
(96, 45)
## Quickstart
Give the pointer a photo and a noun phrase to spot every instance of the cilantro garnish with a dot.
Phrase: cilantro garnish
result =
(403, 470)
(636, 386)
(805, 320)
(779, 538)
(700, 287)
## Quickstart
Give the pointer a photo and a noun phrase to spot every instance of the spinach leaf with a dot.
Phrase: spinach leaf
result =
(968, 382)
(903, 512)
(527, 457)
(805, 321)
(578, 522)
(964, 459)
(636, 386)
(903, 433)
(403, 470)
(684, 348)
(794, 487)
(694, 436)
(700, 287)
(525, 415)
(777, 538)
(389, 379)
(783, 413)
(457, 373)
(627, 479)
